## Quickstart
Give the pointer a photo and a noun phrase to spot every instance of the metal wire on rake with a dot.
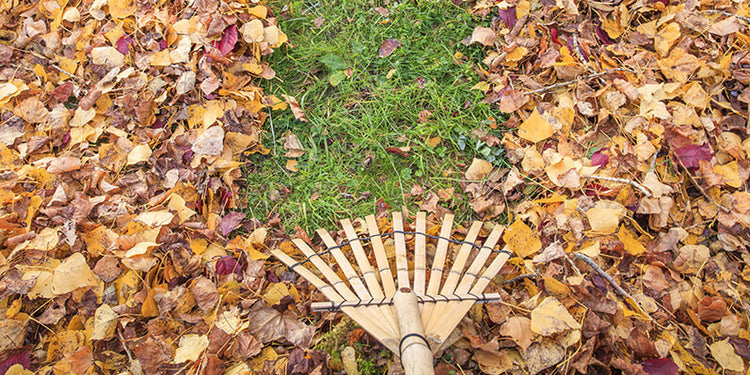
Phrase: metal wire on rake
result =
(414, 320)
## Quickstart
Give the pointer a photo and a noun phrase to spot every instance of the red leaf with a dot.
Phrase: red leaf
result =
(691, 155)
(663, 366)
(227, 42)
(22, 358)
(508, 16)
(401, 151)
(230, 222)
(123, 44)
(603, 36)
(226, 265)
(553, 35)
(599, 158)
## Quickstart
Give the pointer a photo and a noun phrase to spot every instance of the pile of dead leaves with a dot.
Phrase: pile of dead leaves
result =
(628, 121)
(124, 125)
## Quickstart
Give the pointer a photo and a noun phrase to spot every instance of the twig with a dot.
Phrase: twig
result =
(699, 187)
(612, 281)
(724, 12)
(521, 277)
(622, 180)
(593, 75)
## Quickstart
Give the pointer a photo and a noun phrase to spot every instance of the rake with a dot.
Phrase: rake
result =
(411, 317)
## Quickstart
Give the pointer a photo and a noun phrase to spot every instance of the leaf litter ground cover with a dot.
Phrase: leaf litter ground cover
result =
(622, 189)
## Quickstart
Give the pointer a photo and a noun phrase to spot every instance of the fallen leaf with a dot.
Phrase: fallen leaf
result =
(73, 273)
(521, 239)
(518, 328)
(299, 114)
(535, 128)
(190, 348)
(723, 352)
(552, 317)
(210, 142)
(483, 35)
(725, 27)
(605, 216)
(387, 47)
(478, 170)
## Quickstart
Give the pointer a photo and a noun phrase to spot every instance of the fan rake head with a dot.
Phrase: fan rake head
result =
(411, 317)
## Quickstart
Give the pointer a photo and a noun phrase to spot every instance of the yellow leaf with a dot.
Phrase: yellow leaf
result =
(552, 317)
(723, 352)
(517, 54)
(155, 218)
(139, 154)
(666, 37)
(252, 32)
(292, 165)
(161, 58)
(275, 293)
(73, 273)
(140, 249)
(176, 203)
(632, 245)
(98, 240)
(198, 246)
(120, 9)
(259, 11)
(191, 347)
(535, 128)
(521, 239)
(730, 173)
(105, 322)
(695, 95)
(605, 216)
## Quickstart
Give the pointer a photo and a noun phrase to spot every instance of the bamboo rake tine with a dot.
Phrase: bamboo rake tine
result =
(472, 273)
(455, 273)
(308, 275)
(420, 257)
(346, 266)
(383, 313)
(402, 265)
(326, 270)
(436, 272)
(384, 268)
(492, 270)
(360, 316)
(470, 276)
(364, 264)
(460, 262)
(367, 272)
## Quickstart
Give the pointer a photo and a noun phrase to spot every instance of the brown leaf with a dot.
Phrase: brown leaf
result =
(205, 293)
(483, 35)
(269, 325)
(387, 47)
(299, 114)
(725, 27)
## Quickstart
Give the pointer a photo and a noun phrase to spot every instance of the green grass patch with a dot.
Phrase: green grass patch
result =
(359, 104)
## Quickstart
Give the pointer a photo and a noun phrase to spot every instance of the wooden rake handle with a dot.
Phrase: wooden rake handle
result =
(414, 350)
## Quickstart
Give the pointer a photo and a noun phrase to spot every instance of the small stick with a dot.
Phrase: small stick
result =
(566, 83)
(621, 180)
(521, 277)
(612, 281)
(724, 12)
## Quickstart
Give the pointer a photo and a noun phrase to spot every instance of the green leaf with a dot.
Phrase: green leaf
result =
(336, 78)
(333, 62)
